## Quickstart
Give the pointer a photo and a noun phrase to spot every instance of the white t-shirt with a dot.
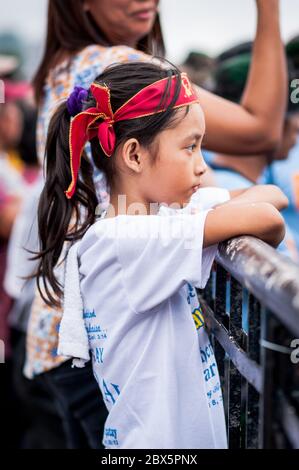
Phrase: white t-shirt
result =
(151, 356)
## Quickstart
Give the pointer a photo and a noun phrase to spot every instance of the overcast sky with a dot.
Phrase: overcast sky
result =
(209, 25)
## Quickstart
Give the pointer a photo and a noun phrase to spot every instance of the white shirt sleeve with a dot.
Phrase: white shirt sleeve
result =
(207, 198)
(158, 254)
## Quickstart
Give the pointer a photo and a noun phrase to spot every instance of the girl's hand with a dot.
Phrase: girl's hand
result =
(260, 193)
(259, 220)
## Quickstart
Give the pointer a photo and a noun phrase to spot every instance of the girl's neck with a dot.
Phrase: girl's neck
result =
(129, 203)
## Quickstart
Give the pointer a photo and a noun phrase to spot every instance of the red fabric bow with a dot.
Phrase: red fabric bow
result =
(99, 120)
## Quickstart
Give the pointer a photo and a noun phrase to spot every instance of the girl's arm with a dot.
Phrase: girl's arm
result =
(254, 126)
(261, 220)
(260, 193)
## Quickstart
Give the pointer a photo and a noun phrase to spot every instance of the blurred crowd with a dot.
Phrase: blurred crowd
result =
(20, 177)
(19, 173)
(226, 75)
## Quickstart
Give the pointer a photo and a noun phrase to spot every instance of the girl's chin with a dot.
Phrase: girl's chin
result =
(183, 203)
(178, 202)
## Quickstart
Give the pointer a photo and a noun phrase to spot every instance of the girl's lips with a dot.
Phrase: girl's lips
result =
(145, 15)
(195, 188)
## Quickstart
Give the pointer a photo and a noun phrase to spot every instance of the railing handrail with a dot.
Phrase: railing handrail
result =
(272, 277)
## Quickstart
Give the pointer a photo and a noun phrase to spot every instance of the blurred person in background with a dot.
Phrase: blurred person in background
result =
(33, 408)
(19, 170)
(231, 172)
(285, 173)
(200, 68)
(12, 52)
(83, 38)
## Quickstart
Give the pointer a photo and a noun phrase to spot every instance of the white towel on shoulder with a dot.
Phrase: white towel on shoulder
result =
(73, 337)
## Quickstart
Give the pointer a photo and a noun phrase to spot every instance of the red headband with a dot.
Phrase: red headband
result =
(98, 121)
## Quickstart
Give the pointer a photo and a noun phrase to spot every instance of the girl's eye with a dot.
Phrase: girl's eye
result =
(191, 147)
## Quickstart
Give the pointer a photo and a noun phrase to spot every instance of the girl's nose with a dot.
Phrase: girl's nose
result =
(200, 165)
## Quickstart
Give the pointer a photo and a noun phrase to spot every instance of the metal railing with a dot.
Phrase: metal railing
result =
(251, 308)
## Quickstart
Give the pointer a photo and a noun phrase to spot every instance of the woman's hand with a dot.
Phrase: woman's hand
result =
(266, 3)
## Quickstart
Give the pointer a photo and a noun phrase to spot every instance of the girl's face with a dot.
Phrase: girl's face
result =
(177, 172)
(123, 21)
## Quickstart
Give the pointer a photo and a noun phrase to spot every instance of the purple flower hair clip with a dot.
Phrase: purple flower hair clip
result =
(76, 99)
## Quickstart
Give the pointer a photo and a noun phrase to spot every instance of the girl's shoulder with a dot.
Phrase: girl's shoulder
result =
(99, 238)
(106, 230)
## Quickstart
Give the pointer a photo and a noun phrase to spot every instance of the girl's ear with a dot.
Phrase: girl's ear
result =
(133, 155)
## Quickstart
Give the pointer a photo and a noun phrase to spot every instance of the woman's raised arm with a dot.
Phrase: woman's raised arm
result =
(256, 124)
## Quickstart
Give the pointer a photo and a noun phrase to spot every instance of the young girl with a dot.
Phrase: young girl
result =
(129, 291)
(83, 38)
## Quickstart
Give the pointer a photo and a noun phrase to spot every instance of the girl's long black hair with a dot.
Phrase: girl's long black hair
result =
(61, 219)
